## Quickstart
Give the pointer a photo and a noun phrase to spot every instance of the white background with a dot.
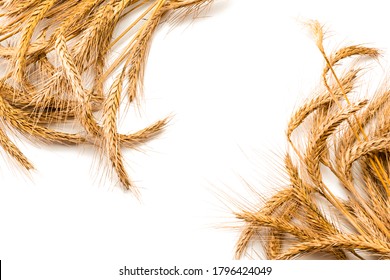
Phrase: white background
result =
(230, 78)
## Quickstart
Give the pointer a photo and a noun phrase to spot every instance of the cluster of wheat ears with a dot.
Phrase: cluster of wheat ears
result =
(55, 71)
(336, 133)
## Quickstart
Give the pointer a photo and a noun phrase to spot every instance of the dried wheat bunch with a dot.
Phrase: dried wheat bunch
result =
(54, 56)
(333, 132)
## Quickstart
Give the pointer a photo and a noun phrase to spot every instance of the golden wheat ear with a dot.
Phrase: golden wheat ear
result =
(350, 138)
(56, 60)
